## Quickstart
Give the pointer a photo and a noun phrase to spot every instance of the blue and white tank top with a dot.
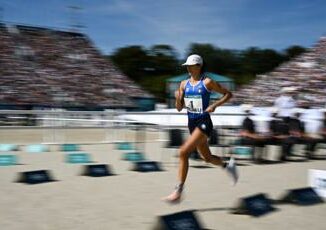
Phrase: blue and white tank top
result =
(196, 99)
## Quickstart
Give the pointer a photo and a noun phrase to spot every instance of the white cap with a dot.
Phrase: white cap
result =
(246, 107)
(194, 59)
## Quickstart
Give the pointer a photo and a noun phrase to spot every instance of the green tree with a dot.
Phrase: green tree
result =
(294, 51)
(221, 61)
(206, 51)
(151, 67)
(148, 67)
(257, 61)
(132, 60)
(164, 59)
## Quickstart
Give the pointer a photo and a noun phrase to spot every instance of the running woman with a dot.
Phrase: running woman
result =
(194, 94)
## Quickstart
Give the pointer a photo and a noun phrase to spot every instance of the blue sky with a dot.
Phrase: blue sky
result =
(235, 24)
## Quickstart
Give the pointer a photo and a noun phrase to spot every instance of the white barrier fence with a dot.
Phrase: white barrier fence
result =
(60, 126)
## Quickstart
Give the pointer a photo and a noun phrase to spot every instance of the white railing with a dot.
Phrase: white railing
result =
(58, 126)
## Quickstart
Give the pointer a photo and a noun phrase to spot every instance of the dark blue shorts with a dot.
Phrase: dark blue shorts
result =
(204, 124)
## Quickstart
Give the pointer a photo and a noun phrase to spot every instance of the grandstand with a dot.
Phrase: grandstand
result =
(41, 67)
(306, 72)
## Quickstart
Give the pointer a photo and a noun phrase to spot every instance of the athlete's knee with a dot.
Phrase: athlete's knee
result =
(183, 153)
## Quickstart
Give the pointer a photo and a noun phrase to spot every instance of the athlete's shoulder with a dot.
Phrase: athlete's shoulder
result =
(208, 80)
(213, 85)
(183, 83)
(210, 83)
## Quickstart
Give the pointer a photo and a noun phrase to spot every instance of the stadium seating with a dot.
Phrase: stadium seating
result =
(306, 72)
(45, 67)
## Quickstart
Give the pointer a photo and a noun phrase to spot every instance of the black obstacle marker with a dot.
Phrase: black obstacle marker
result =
(302, 196)
(98, 170)
(147, 166)
(256, 205)
(185, 220)
(35, 177)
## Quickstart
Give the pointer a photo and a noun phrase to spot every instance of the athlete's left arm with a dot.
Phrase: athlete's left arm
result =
(212, 85)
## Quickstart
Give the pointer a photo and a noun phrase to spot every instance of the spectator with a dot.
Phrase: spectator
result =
(249, 136)
(297, 134)
(322, 137)
(278, 129)
(285, 103)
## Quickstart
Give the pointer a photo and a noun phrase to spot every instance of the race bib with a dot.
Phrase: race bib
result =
(194, 104)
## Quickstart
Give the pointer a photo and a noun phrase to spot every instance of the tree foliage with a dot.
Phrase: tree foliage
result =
(150, 67)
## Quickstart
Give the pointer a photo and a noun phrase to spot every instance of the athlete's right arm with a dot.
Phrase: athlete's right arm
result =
(179, 96)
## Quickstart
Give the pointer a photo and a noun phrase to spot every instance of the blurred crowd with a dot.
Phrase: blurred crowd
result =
(47, 67)
(306, 73)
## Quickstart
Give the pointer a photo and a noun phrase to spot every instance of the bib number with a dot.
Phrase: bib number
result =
(194, 104)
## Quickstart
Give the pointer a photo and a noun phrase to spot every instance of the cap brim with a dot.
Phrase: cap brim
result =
(186, 64)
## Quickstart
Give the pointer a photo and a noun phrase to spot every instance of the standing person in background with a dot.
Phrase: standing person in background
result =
(194, 94)
(285, 103)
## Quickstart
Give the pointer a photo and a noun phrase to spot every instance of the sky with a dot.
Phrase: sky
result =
(232, 24)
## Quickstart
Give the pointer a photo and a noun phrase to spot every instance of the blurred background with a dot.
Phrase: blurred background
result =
(99, 76)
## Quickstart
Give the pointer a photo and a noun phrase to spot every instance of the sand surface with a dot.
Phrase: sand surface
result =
(131, 200)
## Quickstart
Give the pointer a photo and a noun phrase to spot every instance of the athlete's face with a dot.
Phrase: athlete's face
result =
(194, 69)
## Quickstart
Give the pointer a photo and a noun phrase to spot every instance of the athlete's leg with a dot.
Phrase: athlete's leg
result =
(196, 138)
(206, 154)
